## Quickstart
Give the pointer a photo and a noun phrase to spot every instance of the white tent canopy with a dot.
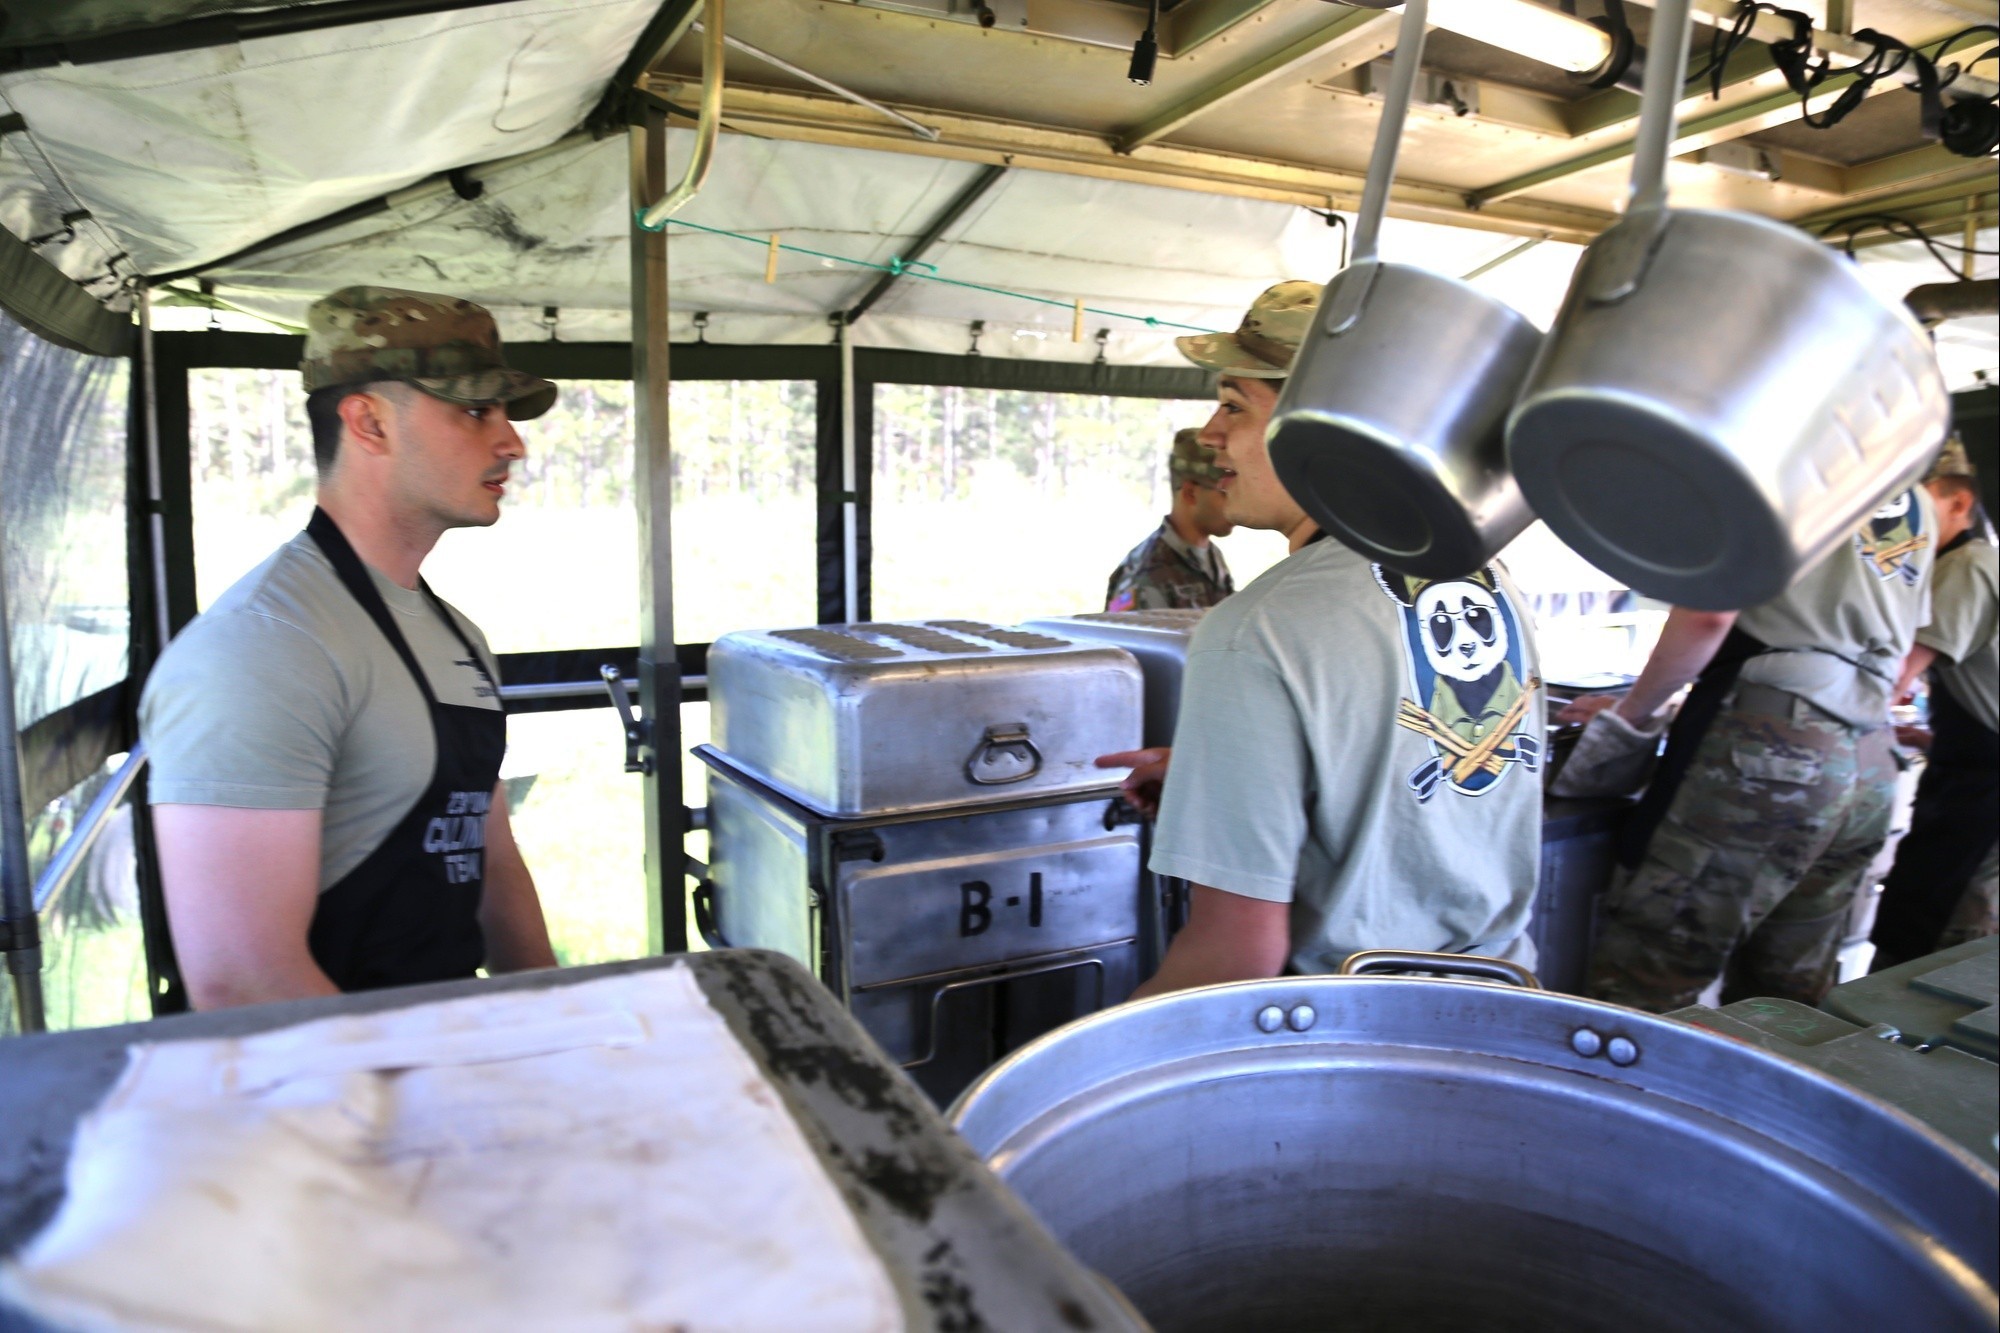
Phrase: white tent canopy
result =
(185, 159)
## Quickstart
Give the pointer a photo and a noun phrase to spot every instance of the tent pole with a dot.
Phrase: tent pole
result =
(666, 816)
(20, 939)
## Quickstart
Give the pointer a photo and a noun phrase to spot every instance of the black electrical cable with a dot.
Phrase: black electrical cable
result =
(1907, 230)
(1146, 51)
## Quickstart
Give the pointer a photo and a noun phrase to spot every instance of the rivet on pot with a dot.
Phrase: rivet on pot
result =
(1302, 1018)
(1270, 1018)
(1621, 1051)
(1585, 1042)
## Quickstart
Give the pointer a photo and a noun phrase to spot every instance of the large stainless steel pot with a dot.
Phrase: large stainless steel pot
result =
(1721, 399)
(1389, 431)
(1415, 1154)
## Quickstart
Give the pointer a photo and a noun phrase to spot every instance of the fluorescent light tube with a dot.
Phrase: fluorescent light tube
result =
(1527, 29)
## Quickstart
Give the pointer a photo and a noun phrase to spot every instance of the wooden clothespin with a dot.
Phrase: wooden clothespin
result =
(1076, 324)
(771, 260)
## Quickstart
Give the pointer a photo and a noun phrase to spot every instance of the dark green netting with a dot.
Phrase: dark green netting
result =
(62, 513)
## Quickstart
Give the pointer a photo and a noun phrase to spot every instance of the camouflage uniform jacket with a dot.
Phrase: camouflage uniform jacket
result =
(1163, 573)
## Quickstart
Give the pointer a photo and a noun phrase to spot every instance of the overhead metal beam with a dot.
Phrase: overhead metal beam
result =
(805, 117)
(662, 33)
(1193, 22)
(1925, 163)
(1351, 29)
(974, 191)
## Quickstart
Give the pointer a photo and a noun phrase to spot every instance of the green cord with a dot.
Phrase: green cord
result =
(908, 269)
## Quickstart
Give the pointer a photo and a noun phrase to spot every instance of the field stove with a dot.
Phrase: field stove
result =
(911, 810)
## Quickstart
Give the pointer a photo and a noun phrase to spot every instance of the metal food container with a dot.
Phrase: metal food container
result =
(864, 719)
(912, 811)
(1158, 639)
(1397, 1153)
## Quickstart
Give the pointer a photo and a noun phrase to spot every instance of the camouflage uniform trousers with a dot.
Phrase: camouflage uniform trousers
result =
(1978, 912)
(1757, 863)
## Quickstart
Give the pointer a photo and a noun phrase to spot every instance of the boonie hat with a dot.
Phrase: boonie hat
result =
(1265, 342)
(1953, 462)
(1191, 460)
(444, 345)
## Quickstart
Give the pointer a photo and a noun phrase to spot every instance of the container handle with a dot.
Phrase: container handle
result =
(1619, 262)
(1004, 755)
(1350, 295)
(1448, 964)
(974, 983)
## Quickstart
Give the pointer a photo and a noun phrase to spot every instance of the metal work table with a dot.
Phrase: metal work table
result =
(961, 1251)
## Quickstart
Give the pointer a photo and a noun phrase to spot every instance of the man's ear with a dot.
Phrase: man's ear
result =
(365, 417)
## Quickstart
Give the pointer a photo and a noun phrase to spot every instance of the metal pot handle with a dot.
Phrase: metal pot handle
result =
(1006, 739)
(1350, 295)
(1448, 964)
(1618, 265)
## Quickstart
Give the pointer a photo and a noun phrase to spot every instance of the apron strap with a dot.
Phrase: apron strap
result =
(1691, 724)
(354, 575)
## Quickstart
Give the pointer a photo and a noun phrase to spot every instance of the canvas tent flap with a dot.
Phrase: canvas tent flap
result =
(46, 22)
(42, 299)
(192, 155)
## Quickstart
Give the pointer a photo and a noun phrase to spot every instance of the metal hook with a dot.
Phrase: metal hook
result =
(1103, 338)
(550, 314)
(638, 731)
(978, 327)
(701, 326)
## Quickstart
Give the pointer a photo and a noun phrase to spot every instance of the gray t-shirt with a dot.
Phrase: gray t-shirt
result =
(1965, 629)
(1366, 748)
(1840, 633)
(284, 695)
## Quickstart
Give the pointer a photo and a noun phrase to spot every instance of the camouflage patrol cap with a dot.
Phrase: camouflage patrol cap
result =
(1191, 460)
(1953, 462)
(444, 345)
(1265, 342)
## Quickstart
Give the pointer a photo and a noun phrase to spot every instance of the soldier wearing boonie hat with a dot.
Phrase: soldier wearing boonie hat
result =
(1178, 566)
(1355, 760)
(326, 737)
(1945, 886)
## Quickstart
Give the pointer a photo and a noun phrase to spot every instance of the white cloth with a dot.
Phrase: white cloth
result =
(591, 1157)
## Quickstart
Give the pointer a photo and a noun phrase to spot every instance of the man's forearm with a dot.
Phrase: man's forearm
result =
(1228, 938)
(1919, 661)
(1688, 642)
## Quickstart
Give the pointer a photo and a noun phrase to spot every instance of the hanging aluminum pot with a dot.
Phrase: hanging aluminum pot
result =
(1426, 1154)
(1721, 399)
(1390, 429)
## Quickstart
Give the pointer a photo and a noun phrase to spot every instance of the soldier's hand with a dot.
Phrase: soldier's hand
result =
(1149, 770)
(1585, 707)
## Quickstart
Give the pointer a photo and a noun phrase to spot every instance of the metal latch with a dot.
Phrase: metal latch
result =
(1005, 755)
(638, 730)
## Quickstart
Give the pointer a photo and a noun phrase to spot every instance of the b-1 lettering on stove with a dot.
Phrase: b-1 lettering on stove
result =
(975, 905)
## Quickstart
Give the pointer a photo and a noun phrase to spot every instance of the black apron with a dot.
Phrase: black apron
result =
(410, 912)
(1951, 827)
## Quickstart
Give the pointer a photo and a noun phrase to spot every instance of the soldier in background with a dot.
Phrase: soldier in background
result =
(1178, 566)
(1775, 794)
(1943, 888)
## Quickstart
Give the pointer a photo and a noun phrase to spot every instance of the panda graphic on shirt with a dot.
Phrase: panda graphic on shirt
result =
(1892, 539)
(1472, 697)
